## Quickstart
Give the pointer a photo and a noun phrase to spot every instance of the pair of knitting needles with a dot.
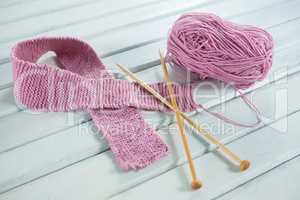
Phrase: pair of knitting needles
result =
(243, 164)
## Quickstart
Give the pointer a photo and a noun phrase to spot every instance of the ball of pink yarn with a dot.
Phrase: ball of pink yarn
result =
(215, 48)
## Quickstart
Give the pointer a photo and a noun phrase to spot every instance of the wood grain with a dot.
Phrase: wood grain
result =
(61, 156)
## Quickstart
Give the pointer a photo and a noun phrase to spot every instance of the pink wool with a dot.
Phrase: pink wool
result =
(215, 48)
(202, 43)
(84, 84)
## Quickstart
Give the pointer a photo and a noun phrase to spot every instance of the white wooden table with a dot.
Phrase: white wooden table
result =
(60, 155)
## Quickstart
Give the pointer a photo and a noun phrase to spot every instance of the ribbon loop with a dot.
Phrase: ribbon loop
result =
(84, 83)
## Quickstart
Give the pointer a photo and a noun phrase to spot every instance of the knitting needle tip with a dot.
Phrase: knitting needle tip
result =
(196, 184)
(244, 165)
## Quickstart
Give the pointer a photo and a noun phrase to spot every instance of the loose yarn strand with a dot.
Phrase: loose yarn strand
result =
(230, 121)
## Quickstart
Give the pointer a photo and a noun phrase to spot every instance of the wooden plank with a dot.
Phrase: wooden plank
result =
(281, 182)
(10, 108)
(146, 56)
(47, 130)
(12, 139)
(6, 4)
(64, 164)
(19, 10)
(149, 57)
(44, 124)
(134, 30)
(7, 102)
(162, 26)
(80, 14)
(94, 173)
(35, 8)
(12, 32)
(90, 144)
(269, 148)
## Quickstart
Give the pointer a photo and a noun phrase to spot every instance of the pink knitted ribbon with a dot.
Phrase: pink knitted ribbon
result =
(84, 84)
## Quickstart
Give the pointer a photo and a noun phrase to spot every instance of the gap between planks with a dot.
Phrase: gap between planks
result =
(220, 6)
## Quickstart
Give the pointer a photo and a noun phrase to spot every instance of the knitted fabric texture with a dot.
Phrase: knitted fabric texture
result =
(83, 83)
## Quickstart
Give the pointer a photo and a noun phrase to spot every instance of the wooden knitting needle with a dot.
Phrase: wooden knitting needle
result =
(196, 183)
(243, 164)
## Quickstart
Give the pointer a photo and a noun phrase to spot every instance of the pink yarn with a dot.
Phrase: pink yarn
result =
(215, 48)
(83, 83)
(202, 43)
